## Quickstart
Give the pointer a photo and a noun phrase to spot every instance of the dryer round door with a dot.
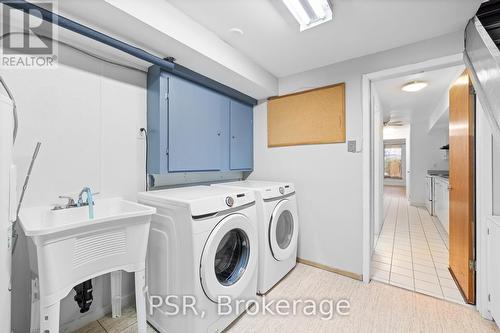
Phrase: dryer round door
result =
(229, 258)
(283, 230)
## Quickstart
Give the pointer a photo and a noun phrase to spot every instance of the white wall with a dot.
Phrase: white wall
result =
(329, 179)
(426, 155)
(87, 114)
(496, 177)
(439, 116)
(487, 204)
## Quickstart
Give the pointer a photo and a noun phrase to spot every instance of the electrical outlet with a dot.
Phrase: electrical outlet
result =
(141, 134)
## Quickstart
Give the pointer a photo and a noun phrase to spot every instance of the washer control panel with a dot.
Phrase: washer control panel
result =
(229, 201)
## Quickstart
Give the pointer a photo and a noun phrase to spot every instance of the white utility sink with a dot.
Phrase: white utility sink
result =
(43, 221)
(68, 248)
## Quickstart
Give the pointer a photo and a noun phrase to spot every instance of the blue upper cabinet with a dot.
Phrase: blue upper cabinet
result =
(157, 159)
(196, 131)
(241, 136)
(192, 128)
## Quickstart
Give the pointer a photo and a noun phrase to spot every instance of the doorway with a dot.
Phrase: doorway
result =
(411, 249)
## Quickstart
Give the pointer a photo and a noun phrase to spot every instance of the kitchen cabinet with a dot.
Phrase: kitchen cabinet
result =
(429, 191)
(192, 128)
(441, 201)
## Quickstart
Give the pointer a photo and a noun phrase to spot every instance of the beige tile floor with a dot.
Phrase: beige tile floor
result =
(375, 307)
(411, 251)
(127, 323)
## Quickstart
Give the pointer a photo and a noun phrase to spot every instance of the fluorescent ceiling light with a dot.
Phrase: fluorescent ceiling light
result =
(309, 13)
(414, 86)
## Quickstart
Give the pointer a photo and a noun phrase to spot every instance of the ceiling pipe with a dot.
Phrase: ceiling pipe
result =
(166, 65)
(66, 23)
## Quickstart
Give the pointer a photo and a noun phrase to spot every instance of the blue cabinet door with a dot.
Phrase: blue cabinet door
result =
(157, 141)
(241, 136)
(195, 126)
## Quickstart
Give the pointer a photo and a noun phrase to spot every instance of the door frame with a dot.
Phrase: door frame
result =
(369, 190)
(484, 206)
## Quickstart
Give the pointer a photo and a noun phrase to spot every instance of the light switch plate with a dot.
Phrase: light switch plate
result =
(351, 146)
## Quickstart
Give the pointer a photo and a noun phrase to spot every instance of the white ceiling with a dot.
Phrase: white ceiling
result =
(415, 106)
(359, 27)
(161, 29)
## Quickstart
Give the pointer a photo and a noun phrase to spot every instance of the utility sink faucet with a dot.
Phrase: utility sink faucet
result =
(89, 202)
(71, 203)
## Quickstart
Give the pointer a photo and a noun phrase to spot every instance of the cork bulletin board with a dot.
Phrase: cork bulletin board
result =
(314, 116)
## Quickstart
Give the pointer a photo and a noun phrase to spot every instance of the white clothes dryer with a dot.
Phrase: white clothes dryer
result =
(278, 228)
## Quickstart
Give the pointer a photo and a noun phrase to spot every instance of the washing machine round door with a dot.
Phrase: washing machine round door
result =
(229, 258)
(283, 230)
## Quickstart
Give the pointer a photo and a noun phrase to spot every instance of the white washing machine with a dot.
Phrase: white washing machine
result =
(278, 228)
(202, 246)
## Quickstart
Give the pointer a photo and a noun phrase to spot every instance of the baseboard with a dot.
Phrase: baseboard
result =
(395, 184)
(352, 275)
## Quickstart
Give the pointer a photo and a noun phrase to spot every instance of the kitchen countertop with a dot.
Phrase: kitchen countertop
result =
(442, 178)
(437, 172)
(441, 174)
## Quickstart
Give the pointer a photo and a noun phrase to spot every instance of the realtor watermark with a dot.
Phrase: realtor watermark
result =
(186, 305)
(27, 40)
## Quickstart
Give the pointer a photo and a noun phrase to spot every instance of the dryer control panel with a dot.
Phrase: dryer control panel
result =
(267, 190)
(277, 191)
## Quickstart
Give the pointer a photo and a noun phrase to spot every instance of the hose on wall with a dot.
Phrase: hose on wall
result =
(14, 108)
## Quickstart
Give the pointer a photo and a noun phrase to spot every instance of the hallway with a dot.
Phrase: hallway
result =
(411, 251)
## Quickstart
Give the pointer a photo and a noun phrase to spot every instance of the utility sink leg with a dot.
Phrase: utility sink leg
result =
(140, 301)
(49, 318)
(116, 294)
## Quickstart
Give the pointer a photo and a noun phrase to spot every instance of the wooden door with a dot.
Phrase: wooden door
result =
(462, 186)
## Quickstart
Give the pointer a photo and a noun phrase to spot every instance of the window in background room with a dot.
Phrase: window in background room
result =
(393, 161)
